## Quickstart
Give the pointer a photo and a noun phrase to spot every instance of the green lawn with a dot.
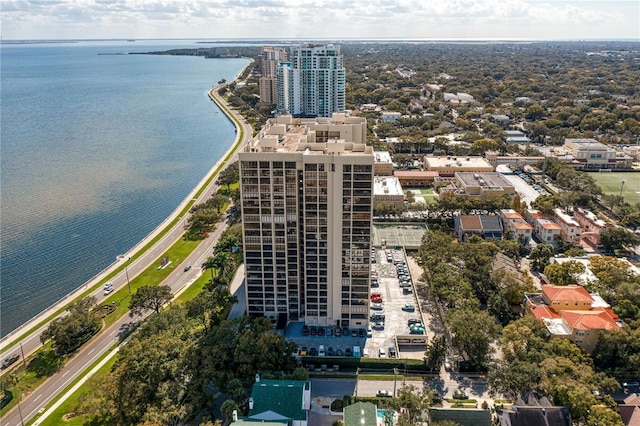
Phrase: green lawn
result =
(611, 182)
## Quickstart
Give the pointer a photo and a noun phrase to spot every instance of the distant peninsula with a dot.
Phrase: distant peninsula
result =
(209, 52)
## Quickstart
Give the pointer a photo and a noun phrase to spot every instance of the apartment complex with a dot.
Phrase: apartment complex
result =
(312, 83)
(268, 61)
(520, 229)
(307, 201)
(570, 312)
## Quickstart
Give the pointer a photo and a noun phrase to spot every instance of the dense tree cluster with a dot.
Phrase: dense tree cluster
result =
(461, 278)
(557, 368)
(69, 332)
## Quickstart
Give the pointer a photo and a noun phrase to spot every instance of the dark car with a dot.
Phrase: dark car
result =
(354, 332)
(320, 331)
(330, 351)
(337, 332)
(348, 352)
(9, 360)
(305, 331)
(313, 330)
(345, 331)
(361, 332)
(313, 352)
(407, 290)
(339, 352)
(392, 352)
(186, 268)
(329, 332)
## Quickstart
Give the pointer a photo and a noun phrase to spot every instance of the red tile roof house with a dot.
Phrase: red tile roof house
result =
(570, 312)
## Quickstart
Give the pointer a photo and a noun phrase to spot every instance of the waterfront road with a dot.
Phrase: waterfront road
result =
(177, 280)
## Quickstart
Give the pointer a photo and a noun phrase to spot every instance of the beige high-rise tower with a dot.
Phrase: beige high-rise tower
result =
(268, 61)
(307, 195)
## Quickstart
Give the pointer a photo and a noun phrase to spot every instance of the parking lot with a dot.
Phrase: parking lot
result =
(389, 319)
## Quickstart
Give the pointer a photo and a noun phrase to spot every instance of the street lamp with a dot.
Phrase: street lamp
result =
(395, 373)
(24, 362)
(357, 372)
(126, 272)
(622, 182)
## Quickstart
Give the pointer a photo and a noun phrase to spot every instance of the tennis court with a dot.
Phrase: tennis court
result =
(408, 236)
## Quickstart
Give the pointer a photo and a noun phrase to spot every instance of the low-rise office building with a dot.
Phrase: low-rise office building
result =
(589, 154)
(482, 184)
(415, 177)
(382, 166)
(387, 190)
(449, 166)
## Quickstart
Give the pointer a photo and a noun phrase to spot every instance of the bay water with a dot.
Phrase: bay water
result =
(97, 148)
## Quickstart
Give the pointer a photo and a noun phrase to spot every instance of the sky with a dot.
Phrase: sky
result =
(320, 19)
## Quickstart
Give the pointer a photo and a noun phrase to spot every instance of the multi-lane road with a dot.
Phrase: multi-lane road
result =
(33, 403)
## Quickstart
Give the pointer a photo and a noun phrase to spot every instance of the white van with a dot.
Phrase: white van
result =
(108, 288)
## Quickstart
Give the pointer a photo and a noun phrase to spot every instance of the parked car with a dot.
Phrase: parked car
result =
(313, 330)
(321, 351)
(345, 331)
(408, 307)
(382, 353)
(337, 332)
(413, 321)
(460, 394)
(305, 330)
(379, 325)
(9, 360)
(354, 332)
(313, 352)
(348, 352)
(369, 332)
(407, 290)
(376, 306)
(320, 331)
(303, 351)
(330, 351)
(384, 393)
(392, 352)
(416, 329)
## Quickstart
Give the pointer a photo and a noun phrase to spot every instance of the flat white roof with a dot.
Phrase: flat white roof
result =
(387, 185)
(457, 162)
(556, 326)
(382, 156)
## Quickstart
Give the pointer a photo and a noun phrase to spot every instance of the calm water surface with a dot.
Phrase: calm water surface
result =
(96, 151)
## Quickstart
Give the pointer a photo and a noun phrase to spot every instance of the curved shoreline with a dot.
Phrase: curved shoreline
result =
(38, 321)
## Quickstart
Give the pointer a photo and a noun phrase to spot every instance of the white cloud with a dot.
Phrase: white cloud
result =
(320, 18)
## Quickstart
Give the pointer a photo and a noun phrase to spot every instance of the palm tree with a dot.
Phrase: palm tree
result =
(209, 264)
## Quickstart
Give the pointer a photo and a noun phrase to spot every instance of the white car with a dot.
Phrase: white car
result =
(382, 353)
(369, 332)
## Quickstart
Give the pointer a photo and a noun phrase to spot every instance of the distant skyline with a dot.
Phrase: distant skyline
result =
(321, 19)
